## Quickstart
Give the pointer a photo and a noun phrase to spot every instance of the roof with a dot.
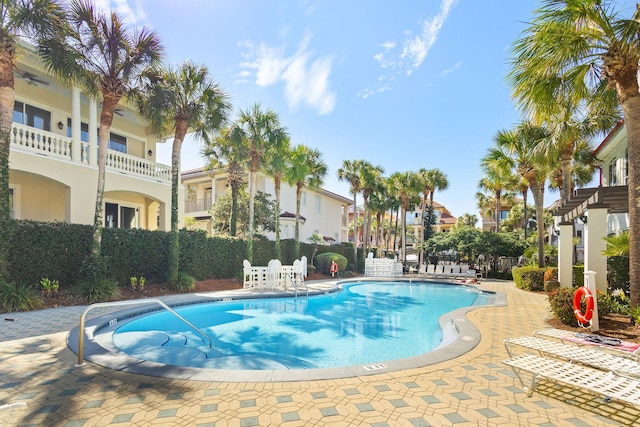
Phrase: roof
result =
(286, 214)
(609, 136)
(447, 218)
(614, 199)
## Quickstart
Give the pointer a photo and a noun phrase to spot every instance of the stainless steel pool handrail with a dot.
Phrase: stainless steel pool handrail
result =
(117, 303)
(293, 283)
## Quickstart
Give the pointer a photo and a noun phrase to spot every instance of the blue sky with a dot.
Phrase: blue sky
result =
(403, 85)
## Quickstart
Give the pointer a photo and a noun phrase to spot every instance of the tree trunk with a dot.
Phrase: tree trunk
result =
(7, 98)
(565, 166)
(524, 212)
(109, 103)
(626, 82)
(298, 198)
(403, 248)
(538, 199)
(423, 207)
(365, 226)
(277, 182)
(174, 244)
(355, 233)
(253, 181)
(631, 109)
(498, 207)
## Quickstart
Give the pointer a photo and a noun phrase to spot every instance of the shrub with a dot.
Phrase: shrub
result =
(578, 276)
(529, 278)
(97, 291)
(618, 273)
(19, 298)
(561, 301)
(323, 262)
(184, 283)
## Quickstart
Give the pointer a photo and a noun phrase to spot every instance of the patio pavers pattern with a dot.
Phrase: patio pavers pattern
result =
(472, 390)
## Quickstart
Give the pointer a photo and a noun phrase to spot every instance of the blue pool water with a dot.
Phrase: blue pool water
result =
(366, 323)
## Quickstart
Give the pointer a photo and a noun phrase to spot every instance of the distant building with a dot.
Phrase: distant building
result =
(602, 210)
(488, 216)
(53, 172)
(321, 211)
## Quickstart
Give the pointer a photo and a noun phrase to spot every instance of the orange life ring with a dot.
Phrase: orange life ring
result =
(577, 309)
(334, 267)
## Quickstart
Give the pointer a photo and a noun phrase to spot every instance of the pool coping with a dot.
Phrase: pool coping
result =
(100, 353)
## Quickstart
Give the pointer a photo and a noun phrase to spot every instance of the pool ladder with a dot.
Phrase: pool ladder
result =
(120, 303)
(295, 287)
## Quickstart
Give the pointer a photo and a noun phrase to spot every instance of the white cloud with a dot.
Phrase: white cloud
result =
(131, 11)
(305, 77)
(450, 69)
(414, 48)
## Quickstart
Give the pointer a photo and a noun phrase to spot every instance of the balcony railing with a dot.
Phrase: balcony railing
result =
(48, 144)
(199, 205)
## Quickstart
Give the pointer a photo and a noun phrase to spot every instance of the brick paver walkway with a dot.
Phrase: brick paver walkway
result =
(472, 390)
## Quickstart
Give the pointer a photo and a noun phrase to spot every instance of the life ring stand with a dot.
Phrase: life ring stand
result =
(334, 267)
(577, 302)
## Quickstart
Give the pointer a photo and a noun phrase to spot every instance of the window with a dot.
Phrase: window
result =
(31, 116)
(118, 216)
(504, 213)
(318, 204)
(116, 142)
(613, 176)
(84, 131)
(303, 198)
(625, 165)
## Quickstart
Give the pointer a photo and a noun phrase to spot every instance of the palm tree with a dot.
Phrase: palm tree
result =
(105, 58)
(260, 131)
(466, 220)
(497, 178)
(32, 20)
(370, 182)
(223, 150)
(517, 150)
(276, 166)
(179, 100)
(349, 173)
(306, 168)
(430, 180)
(378, 203)
(406, 185)
(591, 49)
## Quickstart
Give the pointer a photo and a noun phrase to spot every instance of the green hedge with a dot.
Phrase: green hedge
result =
(529, 278)
(57, 250)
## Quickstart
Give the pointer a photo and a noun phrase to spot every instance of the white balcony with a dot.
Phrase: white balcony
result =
(42, 143)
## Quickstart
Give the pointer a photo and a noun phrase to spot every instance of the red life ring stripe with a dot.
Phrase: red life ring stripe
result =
(577, 302)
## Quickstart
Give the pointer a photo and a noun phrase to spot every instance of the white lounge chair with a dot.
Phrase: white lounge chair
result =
(431, 270)
(439, 270)
(589, 356)
(623, 347)
(603, 383)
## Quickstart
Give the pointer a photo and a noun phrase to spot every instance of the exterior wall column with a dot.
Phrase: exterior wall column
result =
(595, 230)
(76, 123)
(93, 132)
(565, 255)
(164, 214)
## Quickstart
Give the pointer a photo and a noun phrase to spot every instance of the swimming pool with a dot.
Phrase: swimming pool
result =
(368, 327)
